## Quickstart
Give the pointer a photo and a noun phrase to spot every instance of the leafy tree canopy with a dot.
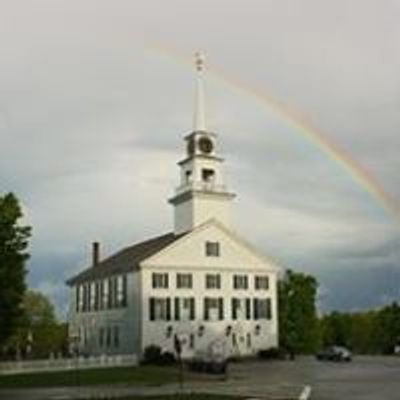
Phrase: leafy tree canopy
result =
(13, 256)
(297, 312)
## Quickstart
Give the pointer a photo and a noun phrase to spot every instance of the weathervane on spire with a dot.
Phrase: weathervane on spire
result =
(200, 59)
(199, 122)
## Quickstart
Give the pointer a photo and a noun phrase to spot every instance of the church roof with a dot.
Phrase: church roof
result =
(126, 260)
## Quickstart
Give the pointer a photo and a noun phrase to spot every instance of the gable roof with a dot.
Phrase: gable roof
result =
(272, 262)
(126, 260)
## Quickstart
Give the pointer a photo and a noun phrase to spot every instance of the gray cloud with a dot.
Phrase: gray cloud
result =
(92, 116)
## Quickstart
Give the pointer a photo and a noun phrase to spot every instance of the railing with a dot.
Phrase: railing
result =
(63, 364)
(203, 186)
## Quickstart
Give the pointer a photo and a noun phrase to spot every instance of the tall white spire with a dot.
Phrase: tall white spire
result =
(199, 120)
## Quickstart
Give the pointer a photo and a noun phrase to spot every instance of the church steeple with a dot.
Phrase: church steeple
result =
(202, 194)
(199, 120)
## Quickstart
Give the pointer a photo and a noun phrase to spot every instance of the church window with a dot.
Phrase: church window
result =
(188, 176)
(239, 308)
(115, 292)
(92, 296)
(110, 294)
(159, 281)
(240, 282)
(116, 336)
(213, 308)
(159, 309)
(262, 309)
(83, 300)
(86, 297)
(101, 337)
(191, 341)
(184, 309)
(213, 281)
(184, 281)
(84, 336)
(79, 298)
(207, 175)
(261, 283)
(234, 339)
(108, 337)
(212, 249)
(121, 291)
(105, 294)
(97, 296)
(248, 340)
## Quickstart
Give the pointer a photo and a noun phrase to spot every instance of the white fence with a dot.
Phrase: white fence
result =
(64, 364)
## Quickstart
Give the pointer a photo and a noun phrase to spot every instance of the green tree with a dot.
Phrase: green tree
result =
(389, 328)
(336, 329)
(367, 332)
(39, 334)
(298, 322)
(13, 256)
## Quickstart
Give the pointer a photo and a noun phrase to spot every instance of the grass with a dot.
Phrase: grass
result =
(140, 376)
(194, 396)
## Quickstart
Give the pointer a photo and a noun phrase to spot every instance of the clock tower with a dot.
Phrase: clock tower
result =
(202, 194)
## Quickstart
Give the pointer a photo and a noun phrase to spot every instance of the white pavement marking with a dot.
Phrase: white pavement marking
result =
(306, 393)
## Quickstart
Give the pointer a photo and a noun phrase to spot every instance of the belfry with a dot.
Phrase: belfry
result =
(202, 193)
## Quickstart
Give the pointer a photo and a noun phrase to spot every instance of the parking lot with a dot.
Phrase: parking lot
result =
(366, 378)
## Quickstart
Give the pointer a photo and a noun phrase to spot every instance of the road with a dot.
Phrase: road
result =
(366, 378)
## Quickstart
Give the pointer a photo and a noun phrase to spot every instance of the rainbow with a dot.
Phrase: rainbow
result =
(301, 124)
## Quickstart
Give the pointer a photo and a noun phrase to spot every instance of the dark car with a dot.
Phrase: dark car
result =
(334, 353)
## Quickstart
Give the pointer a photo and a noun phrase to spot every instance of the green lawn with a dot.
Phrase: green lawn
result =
(194, 396)
(144, 375)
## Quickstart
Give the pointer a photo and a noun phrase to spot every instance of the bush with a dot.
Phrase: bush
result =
(167, 358)
(154, 356)
(273, 353)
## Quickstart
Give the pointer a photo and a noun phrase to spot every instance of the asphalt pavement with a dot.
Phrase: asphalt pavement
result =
(366, 378)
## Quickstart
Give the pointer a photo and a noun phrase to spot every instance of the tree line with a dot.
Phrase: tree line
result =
(301, 331)
(28, 324)
(29, 327)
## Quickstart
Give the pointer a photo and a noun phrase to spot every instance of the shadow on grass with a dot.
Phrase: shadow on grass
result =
(140, 376)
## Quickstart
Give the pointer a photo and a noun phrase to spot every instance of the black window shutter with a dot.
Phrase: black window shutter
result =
(206, 309)
(234, 310)
(221, 308)
(255, 309)
(77, 298)
(269, 309)
(248, 309)
(168, 303)
(125, 291)
(177, 310)
(151, 308)
(192, 310)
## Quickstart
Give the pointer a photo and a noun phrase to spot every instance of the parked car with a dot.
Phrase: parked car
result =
(334, 353)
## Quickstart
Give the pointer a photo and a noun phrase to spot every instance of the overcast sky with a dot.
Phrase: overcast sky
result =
(94, 103)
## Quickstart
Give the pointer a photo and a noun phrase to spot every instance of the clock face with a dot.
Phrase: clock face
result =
(190, 146)
(205, 145)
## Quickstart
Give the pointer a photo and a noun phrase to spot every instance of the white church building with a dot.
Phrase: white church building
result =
(202, 282)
